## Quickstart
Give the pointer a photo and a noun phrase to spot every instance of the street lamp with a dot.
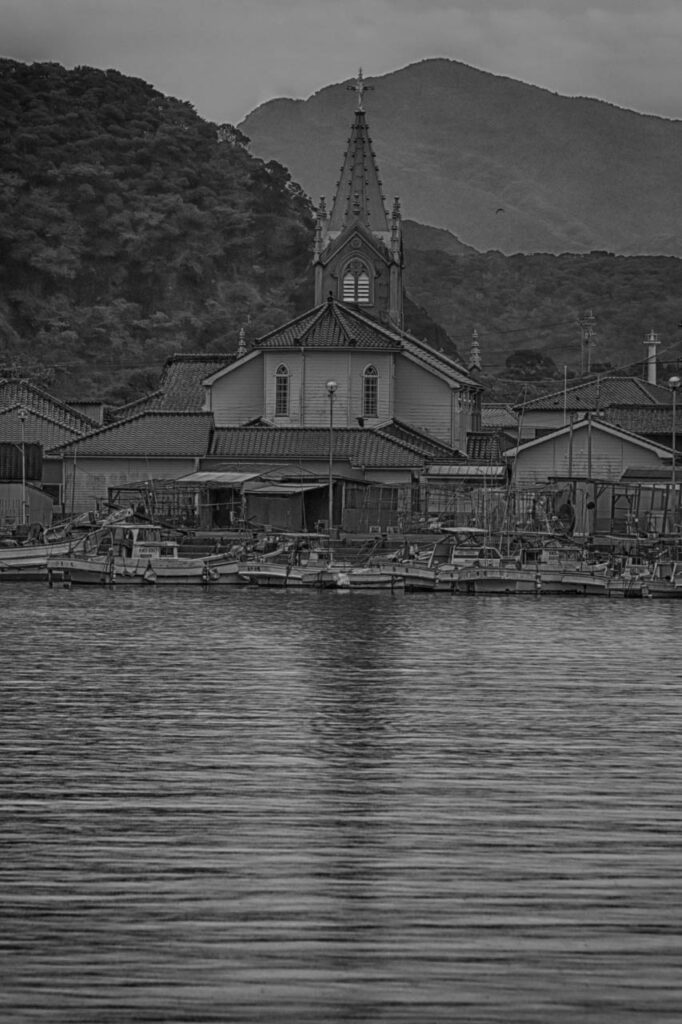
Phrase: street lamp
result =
(22, 419)
(674, 383)
(331, 391)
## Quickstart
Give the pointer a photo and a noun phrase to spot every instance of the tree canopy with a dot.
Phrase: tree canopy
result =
(131, 229)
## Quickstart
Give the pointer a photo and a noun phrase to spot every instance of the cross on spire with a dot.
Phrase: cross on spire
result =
(359, 88)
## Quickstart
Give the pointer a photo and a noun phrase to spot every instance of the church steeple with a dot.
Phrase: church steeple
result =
(358, 251)
(358, 194)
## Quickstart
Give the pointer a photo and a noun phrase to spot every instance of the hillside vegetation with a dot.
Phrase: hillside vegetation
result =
(130, 228)
(539, 304)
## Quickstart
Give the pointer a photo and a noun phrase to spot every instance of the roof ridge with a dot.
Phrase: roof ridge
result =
(118, 424)
(45, 395)
(38, 414)
(290, 323)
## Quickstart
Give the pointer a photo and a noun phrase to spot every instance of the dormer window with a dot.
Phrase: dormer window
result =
(282, 391)
(370, 393)
(356, 283)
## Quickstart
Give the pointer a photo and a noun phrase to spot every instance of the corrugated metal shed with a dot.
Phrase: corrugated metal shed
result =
(217, 477)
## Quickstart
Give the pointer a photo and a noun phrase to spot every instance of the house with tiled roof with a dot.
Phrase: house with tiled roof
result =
(31, 416)
(148, 446)
(20, 393)
(589, 449)
(548, 412)
(590, 461)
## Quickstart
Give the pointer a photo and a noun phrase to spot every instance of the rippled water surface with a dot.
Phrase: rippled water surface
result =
(244, 805)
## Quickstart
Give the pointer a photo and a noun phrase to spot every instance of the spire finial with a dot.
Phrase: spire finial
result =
(359, 88)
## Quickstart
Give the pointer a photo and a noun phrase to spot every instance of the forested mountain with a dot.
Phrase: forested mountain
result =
(130, 229)
(503, 165)
(530, 311)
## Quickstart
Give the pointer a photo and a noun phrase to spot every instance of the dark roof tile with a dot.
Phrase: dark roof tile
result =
(152, 434)
(20, 392)
(600, 393)
(359, 446)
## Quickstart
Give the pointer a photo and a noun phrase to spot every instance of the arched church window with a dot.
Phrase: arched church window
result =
(282, 391)
(356, 285)
(370, 392)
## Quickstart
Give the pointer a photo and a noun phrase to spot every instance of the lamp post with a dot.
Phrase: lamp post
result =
(22, 419)
(674, 383)
(331, 391)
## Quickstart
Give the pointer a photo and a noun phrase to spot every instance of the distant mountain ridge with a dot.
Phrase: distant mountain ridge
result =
(500, 164)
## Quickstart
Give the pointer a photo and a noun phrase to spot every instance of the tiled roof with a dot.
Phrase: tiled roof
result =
(438, 361)
(598, 423)
(499, 416)
(20, 392)
(358, 445)
(331, 325)
(37, 428)
(180, 387)
(147, 402)
(181, 381)
(425, 443)
(486, 446)
(600, 393)
(642, 419)
(149, 434)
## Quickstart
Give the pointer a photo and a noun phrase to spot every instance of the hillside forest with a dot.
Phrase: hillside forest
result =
(131, 229)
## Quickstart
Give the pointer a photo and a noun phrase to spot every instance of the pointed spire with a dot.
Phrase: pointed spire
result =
(475, 352)
(358, 193)
(241, 347)
(396, 217)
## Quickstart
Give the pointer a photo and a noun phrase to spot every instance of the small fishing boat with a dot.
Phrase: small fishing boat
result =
(386, 576)
(128, 553)
(301, 560)
(500, 579)
(28, 562)
(665, 579)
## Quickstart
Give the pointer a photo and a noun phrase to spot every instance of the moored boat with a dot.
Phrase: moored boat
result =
(128, 553)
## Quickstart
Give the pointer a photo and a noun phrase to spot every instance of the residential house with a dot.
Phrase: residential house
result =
(594, 461)
(598, 396)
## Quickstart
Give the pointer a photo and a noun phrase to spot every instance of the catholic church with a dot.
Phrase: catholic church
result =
(351, 347)
(396, 405)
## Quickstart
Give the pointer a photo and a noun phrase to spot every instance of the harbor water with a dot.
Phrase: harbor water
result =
(241, 805)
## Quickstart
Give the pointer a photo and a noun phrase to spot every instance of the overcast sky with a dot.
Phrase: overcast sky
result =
(227, 56)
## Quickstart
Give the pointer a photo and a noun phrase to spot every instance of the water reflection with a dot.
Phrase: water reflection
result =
(288, 807)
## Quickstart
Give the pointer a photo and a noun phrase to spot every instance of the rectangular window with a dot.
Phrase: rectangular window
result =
(370, 402)
(281, 395)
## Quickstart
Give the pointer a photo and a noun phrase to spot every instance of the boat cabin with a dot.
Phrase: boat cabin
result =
(131, 541)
